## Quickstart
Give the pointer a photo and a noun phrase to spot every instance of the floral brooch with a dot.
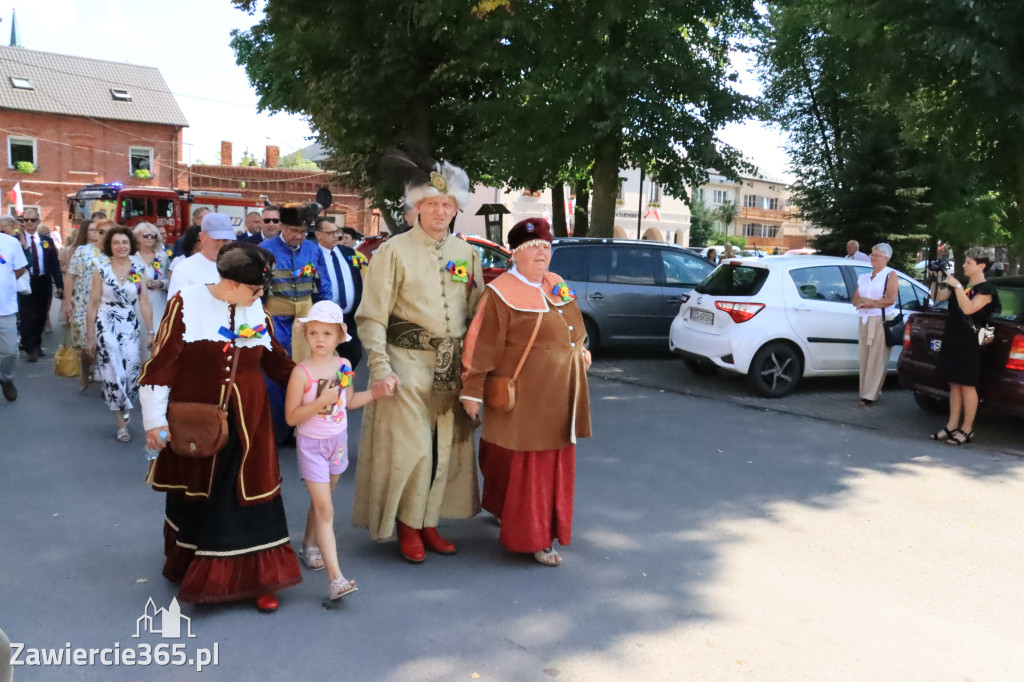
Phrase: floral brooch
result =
(562, 289)
(135, 277)
(459, 270)
(307, 270)
(346, 376)
(244, 332)
(358, 260)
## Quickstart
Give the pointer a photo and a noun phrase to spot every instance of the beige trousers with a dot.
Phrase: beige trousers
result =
(874, 356)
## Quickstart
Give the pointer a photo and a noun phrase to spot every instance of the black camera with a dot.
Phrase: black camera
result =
(938, 265)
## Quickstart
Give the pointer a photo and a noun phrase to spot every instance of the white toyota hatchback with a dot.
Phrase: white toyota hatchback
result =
(778, 319)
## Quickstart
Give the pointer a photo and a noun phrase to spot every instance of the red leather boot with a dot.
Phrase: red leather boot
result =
(435, 543)
(410, 543)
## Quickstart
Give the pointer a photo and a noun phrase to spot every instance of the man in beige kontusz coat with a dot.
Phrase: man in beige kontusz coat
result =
(416, 461)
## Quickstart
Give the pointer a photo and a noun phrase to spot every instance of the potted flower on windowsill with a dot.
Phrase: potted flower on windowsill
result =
(142, 174)
(654, 204)
(26, 167)
(620, 202)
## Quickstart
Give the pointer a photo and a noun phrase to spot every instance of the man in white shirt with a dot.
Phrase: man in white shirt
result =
(201, 267)
(346, 283)
(853, 252)
(13, 263)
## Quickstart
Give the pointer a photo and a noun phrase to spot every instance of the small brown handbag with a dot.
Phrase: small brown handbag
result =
(500, 392)
(200, 429)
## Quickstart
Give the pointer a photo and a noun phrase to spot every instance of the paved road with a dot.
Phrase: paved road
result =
(713, 542)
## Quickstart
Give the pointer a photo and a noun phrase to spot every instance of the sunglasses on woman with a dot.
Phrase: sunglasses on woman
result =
(147, 235)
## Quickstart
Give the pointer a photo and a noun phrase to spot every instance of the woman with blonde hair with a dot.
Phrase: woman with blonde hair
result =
(86, 258)
(152, 257)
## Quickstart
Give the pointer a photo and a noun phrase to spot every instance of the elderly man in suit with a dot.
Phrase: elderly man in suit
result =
(45, 275)
(345, 270)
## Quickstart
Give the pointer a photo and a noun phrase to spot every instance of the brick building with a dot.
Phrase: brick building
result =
(70, 121)
(278, 185)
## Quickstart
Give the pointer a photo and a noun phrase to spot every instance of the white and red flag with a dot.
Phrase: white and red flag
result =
(15, 198)
(652, 212)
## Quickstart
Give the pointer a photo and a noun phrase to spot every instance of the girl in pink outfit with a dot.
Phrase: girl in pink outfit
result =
(319, 392)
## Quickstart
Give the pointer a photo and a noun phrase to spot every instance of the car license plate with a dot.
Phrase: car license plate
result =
(935, 345)
(702, 316)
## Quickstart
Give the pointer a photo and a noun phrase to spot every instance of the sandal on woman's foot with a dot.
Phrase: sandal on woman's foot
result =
(340, 587)
(943, 435)
(548, 557)
(312, 558)
(123, 436)
(864, 402)
(959, 437)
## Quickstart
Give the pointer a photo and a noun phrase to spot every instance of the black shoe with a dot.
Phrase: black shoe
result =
(33, 355)
(10, 392)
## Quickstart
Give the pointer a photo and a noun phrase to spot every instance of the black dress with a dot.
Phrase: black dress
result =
(960, 355)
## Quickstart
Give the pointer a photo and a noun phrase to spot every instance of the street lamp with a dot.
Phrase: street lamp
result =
(492, 214)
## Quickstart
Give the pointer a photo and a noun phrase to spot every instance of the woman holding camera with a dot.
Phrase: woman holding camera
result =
(970, 308)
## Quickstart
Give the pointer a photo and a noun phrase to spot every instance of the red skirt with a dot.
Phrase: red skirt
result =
(531, 493)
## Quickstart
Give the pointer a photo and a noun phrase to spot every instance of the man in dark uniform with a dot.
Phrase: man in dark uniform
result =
(44, 269)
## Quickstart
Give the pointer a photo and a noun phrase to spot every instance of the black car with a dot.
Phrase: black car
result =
(627, 290)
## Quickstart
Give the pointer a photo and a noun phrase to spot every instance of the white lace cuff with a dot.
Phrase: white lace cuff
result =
(154, 405)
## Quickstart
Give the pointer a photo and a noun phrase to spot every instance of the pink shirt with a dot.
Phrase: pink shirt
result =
(323, 425)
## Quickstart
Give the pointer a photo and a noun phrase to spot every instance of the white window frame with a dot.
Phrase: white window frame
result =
(152, 161)
(720, 197)
(19, 139)
(771, 203)
(750, 201)
(654, 193)
(760, 230)
(37, 207)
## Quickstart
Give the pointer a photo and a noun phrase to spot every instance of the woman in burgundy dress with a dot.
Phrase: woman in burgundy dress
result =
(225, 533)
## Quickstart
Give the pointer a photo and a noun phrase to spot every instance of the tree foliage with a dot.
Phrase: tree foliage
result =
(520, 93)
(905, 116)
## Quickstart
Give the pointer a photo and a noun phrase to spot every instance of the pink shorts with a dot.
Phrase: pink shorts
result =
(320, 458)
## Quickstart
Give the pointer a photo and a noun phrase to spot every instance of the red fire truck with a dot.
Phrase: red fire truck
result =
(158, 205)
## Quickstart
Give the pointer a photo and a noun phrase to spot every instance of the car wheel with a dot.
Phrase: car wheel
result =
(930, 405)
(590, 343)
(702, 368)
(776, 369)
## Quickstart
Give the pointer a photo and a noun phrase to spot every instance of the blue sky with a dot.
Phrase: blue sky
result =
(188, 41)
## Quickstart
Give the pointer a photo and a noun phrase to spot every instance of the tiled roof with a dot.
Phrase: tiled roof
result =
(77, 86)
(314, 153)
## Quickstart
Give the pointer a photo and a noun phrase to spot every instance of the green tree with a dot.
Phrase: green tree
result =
(911, 104)
(702, 223)
(517, 92)
(295, 161)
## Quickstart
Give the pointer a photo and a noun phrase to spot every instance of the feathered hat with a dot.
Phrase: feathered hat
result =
(424, 177)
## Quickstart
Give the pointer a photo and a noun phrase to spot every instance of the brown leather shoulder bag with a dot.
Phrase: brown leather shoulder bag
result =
(200, 429)
(500, 392)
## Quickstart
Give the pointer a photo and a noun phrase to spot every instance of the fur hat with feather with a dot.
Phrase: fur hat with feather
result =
(424, 177)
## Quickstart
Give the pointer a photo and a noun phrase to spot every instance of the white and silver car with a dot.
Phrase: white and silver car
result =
(778, 319)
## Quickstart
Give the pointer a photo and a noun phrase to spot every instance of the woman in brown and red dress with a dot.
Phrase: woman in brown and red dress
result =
(528, 454)
(225, 533)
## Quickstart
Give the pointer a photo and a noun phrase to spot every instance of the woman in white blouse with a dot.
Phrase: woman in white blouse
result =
(875, 298)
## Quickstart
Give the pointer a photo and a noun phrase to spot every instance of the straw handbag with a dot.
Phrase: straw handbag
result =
(67, 361)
